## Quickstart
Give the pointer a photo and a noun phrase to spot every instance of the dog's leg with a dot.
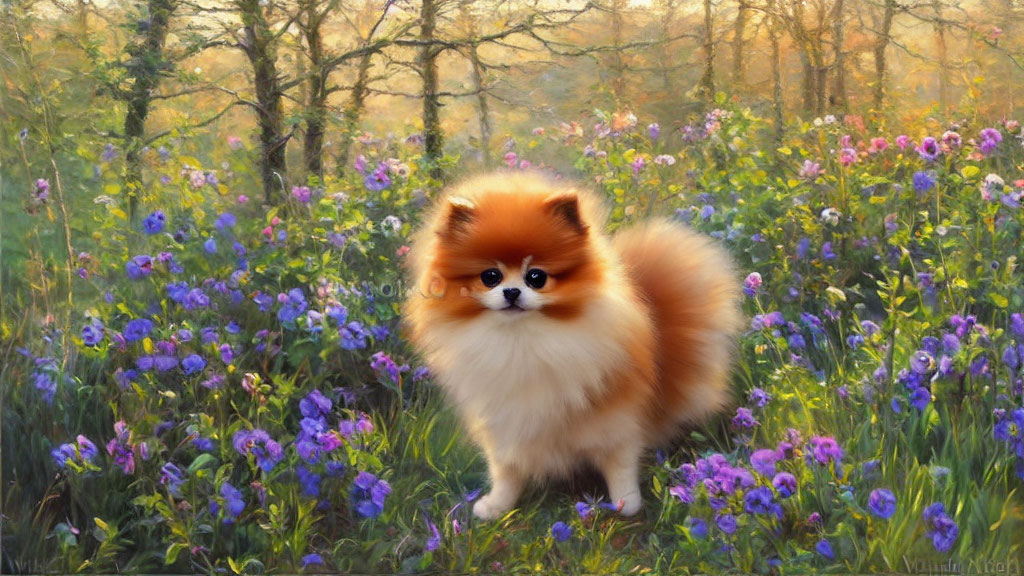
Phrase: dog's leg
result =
(506, 486)
(620, 467)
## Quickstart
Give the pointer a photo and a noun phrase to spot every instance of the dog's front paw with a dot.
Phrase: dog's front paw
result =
(490, 507)
(630, 504)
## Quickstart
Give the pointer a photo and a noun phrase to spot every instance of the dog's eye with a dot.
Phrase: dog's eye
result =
(536, 278)
(491, 277)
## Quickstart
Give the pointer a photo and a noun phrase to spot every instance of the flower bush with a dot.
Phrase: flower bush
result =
(231, 392)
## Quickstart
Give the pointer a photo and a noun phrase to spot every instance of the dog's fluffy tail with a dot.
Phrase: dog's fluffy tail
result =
(693, 291)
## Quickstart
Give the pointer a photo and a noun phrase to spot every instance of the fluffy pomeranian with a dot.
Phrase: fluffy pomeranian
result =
(559, 345)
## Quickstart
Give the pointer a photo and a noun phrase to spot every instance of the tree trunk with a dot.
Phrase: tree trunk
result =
(807, 81)
(618, 65)
(316, 120)
(838, 31)
(353, 111)
(261, 49)
(776, 56)
(145, 66)
(943, 56)
(820, 88)
(707, 80)
(483, 109)
(739, 63)
(433, 137)
(881, 72)
(667, 31)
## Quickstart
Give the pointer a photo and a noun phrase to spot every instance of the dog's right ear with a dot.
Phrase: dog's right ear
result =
(460, 212)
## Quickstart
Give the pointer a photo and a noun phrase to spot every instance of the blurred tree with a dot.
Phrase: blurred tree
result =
(365, 24)
(259, 42)
(739, 43)
(883, 33)
(707, 79)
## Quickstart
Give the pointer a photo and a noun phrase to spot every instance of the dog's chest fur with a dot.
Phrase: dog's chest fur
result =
(525, 385)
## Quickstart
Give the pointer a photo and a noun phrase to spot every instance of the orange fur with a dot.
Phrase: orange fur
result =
(629, 338)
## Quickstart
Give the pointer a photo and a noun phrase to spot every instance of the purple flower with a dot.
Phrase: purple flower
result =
(315, 404)
(826, 251)
(682, 492)
(1017, 324)
(225, 221)
(42, 191)
(654, 130)
(989, 140)
(698, 528)
(584, 510)
(192, 364)
(139, 267)
(233, 503)
(758, 397)
(825, 449)
(752, 284)
(368, 494)
(923, 181)
(929, 149)
(154, 223)
(301, 193)
(382, 364)
(378, 179)
(758, 500)
(882, 503)
(434, 542)
(310, 559)
(561, 531)
(744, 418)
(940, 527)
(259, 444)
(922, 362)
(172, 477)
(210, 245)
(92, 333)
(824, 548)
(137, 329)
(80, 453)
(763, 461)
(726, 523)
(784, 484)
(920, 398)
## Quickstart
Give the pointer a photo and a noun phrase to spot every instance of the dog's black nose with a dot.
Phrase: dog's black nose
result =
(511, 294)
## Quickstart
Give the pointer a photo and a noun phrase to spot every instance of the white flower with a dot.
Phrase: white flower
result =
(830, 216)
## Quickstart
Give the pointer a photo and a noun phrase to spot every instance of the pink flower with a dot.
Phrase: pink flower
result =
(903, 141)
(878, 144)
(511, 159)
(848, 156)
(301, 193)
(810, 171)
(402, 251)
(242, 198)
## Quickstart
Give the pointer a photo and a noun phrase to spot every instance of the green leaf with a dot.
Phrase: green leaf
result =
(200, 461)
(171, 555)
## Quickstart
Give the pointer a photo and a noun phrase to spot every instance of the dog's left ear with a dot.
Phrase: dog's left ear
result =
(566, 206)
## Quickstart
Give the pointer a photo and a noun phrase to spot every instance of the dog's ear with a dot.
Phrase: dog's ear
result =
(566, 206)
(460, 212)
